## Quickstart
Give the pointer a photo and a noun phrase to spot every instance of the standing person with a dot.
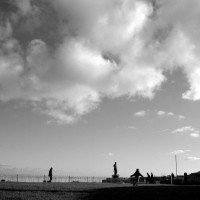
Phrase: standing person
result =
(185, 180)
(137, 174)
(148, 178)
(152, 178)
(50, 174)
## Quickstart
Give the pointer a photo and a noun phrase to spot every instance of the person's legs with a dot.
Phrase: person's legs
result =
(134, 183)
(136, 180)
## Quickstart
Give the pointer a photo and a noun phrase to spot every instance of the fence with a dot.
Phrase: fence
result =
(40, 178)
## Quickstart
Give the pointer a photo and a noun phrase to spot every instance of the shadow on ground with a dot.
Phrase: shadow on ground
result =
(146, 192)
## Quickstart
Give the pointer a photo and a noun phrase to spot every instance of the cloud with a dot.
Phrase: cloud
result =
(161, 113)
(24, 6)
(110, 154)
(195, 135)
(187, 129)
(180, 117)
(170, 114)
(179, 152)
(192, 158)
(64, 57)
(183, 129)
(140, 113)
(5, 31)
(69, 81)
(131, 127)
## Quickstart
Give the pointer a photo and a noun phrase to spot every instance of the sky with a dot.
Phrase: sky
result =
(86, 83)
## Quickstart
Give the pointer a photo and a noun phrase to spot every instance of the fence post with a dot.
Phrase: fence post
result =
(69, 179)
(171, 179)
(17, 178)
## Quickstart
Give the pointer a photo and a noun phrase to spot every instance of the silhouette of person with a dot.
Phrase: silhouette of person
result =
(50, 174)
(115, 169)
(185, 180)
(137, 174)
(148, 178)
(152, 178)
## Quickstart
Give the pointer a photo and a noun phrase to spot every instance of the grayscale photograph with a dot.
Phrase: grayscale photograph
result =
(99, 99)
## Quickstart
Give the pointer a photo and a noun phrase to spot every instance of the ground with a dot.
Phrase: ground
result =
(95, 191)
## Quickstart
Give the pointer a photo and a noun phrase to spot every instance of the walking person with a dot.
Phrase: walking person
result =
(137, 174)
(50, 174)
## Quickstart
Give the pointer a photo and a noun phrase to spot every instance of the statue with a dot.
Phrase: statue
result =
(50, 175)
(115, 175)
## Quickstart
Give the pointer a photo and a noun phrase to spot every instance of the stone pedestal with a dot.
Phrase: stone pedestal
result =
(113, 180)
(115, 176)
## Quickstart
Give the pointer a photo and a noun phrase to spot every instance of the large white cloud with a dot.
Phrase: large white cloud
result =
(92, 49)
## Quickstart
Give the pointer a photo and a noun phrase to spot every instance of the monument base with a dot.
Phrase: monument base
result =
(113, 180)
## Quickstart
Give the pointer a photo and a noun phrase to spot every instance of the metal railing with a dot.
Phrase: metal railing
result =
(43, 178)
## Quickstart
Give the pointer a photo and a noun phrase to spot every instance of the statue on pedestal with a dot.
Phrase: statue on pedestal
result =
(115, 175)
